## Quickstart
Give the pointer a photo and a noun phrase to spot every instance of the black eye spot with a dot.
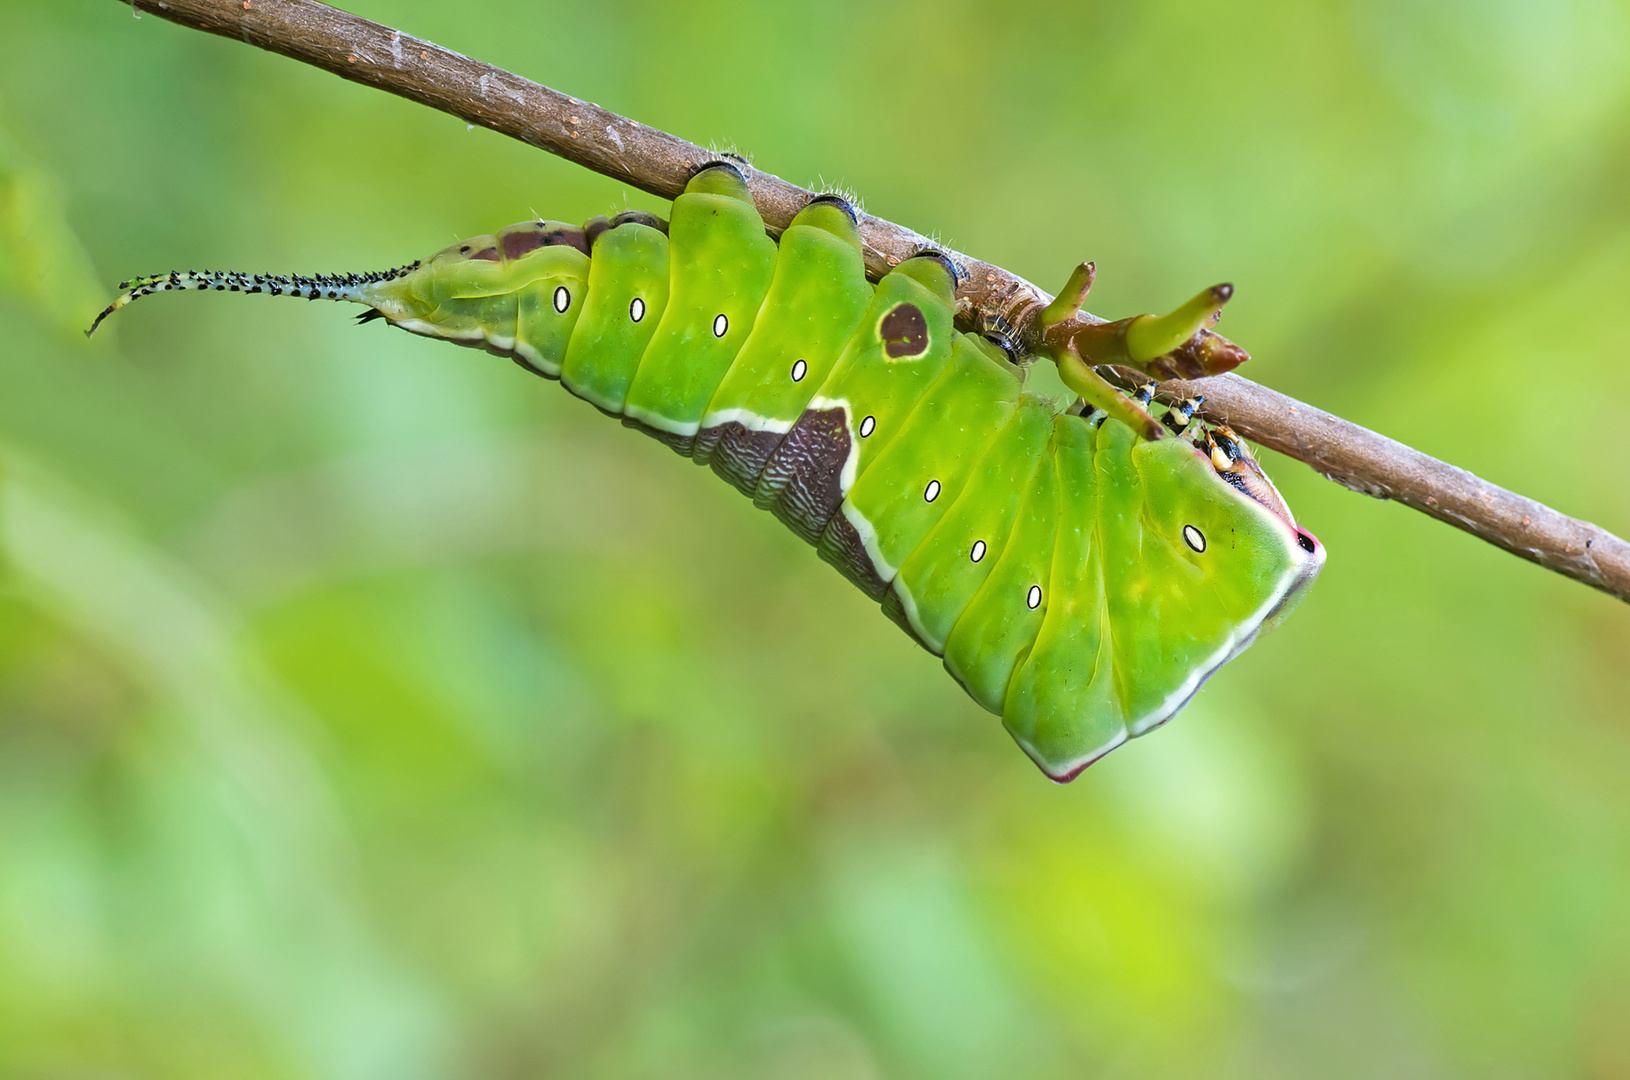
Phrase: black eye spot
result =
(1306, 542)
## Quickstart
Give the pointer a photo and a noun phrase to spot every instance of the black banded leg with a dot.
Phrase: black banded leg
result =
(1093, 416)
(1224, 448)
(1180, 415)
(1233, 461)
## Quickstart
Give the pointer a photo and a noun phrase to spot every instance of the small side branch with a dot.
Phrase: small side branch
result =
(656, 162)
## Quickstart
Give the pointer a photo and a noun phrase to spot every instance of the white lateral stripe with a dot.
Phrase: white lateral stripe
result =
(661, 423)
(748, 419)
(1075, 765)
(532, 356)
(429, 329)
(868, 539)
(908, 603)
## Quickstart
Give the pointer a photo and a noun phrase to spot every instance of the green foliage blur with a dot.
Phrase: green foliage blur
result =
(371, 710)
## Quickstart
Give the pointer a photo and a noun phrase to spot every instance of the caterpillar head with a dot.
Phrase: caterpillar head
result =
(1228, 537)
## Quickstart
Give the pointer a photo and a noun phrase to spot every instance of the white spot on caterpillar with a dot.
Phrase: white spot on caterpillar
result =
(1034, 598)
(563, 299)
(867, 426)
(720, 325)
(798, 370)
(978, 551)
(636, 310)
(1194, 538)
(933, 491)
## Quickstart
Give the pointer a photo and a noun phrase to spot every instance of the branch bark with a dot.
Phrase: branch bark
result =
(656, 162)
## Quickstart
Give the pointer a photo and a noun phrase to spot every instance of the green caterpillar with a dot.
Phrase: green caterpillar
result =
(1080, 574)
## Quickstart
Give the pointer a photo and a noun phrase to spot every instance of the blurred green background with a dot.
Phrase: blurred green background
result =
(370, 710)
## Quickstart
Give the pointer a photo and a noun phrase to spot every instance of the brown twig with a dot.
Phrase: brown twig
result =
(654, 161)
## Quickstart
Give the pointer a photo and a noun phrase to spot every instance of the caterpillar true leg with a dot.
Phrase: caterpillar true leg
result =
(1235, 464)
(1177, 418)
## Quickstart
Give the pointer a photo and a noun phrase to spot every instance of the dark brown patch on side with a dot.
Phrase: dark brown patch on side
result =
(905, 331)
(486, 254)
(707, 438)
(679, 444)
(896, 611)
(523, 239)
(567, 236)
(516, 244)
(842, 547)
(802, 481)
(737, 453)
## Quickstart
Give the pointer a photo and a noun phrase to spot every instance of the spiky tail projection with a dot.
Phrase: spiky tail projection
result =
(1081, 572)
(316, 287)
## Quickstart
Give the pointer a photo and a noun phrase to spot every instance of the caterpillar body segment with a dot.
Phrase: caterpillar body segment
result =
(817, 299)
(720, 265)
(625, 296)
(1080, 575)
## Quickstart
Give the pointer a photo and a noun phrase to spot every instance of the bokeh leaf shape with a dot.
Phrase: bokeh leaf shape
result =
(42, 262)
